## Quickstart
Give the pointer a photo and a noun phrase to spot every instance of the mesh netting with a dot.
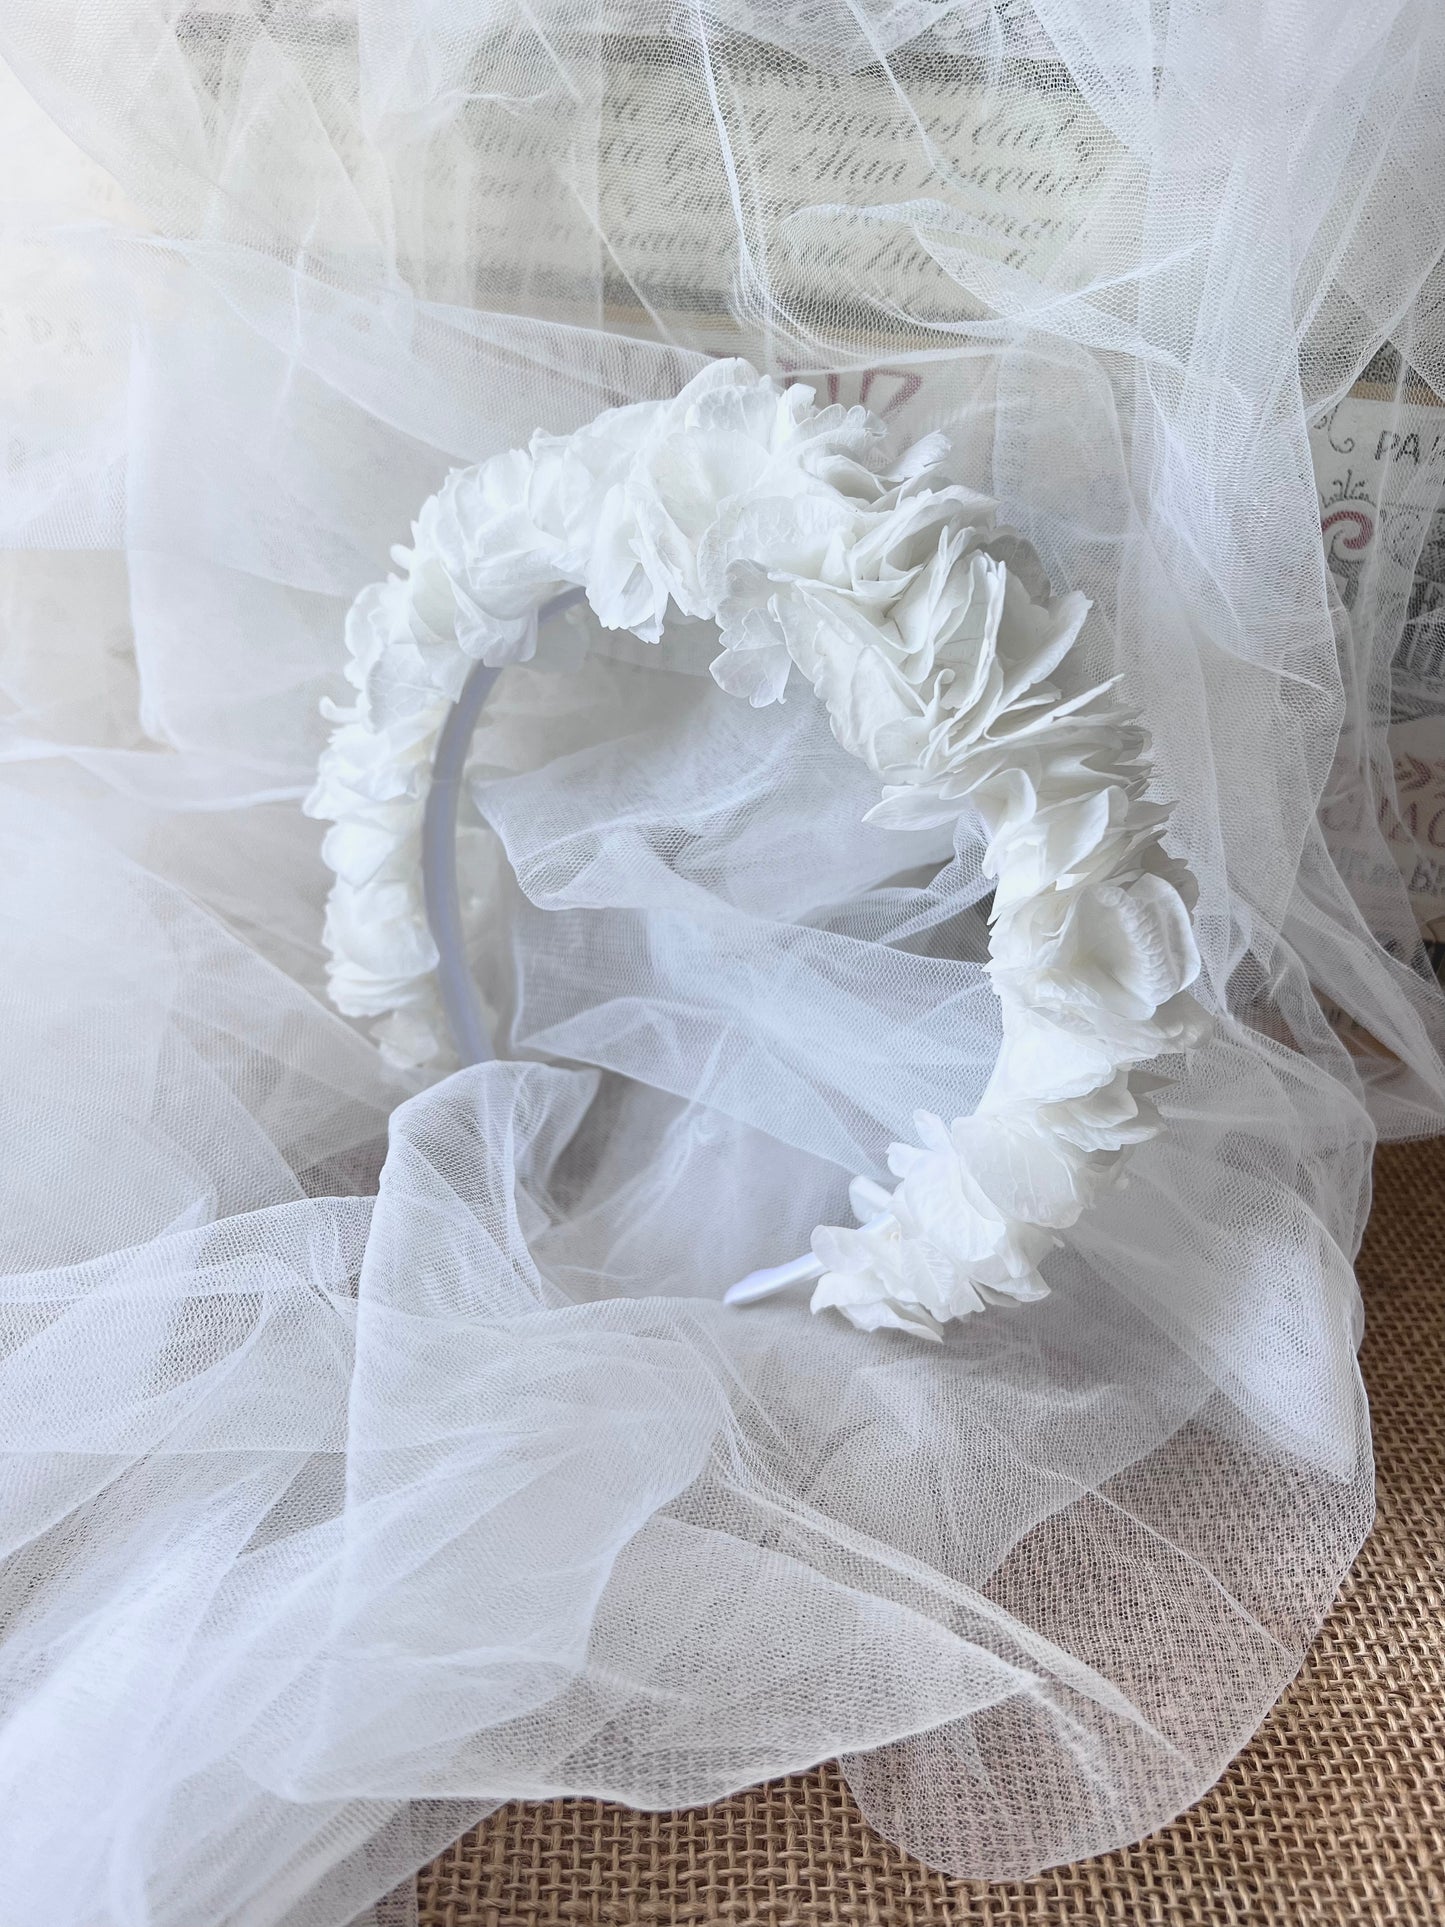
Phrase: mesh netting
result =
(378, 1449)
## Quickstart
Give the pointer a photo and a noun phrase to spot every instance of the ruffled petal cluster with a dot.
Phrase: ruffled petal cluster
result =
(410, 642)
(931, 637)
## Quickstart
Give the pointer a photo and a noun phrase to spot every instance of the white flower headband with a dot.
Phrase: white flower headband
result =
(931, 637)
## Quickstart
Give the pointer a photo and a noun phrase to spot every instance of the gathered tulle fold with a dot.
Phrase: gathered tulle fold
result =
(375, 1444)
(388, 1496)
(418, 1519)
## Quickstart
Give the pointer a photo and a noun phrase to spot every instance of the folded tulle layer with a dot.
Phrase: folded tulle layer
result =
(462, 1485)
(377, 1445)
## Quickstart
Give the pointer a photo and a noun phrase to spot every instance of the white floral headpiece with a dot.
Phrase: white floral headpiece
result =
(931, 637)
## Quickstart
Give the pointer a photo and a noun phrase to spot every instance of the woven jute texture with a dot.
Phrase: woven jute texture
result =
(1333, 1817)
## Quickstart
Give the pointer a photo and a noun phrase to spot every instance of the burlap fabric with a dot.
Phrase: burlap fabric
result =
(1333, 1817)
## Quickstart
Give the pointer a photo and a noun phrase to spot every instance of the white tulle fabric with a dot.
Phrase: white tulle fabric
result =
(375, 1445)
(930, 638)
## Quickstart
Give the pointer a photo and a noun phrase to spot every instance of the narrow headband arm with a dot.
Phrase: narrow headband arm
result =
(440, 885)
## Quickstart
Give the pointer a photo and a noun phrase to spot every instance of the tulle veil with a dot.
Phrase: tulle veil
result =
(377, 1446)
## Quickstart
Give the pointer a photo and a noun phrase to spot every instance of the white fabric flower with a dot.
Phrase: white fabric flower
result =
(1125, 949)
(883, 1279)
(968, 1226)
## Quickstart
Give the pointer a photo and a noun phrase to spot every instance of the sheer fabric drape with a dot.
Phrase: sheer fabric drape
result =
(377, 1450)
